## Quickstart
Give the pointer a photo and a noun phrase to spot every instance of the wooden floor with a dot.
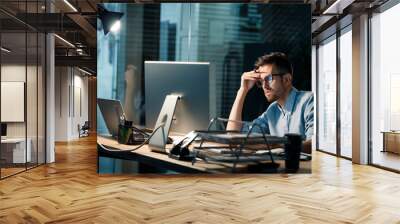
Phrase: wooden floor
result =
(5, 172)
(386, 159)
(70, 191)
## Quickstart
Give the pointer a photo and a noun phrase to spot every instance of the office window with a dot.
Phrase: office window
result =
(327, 95)
(346, 92)
(385, 84)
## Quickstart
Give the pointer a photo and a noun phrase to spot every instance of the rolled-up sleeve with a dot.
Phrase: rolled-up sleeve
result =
(260, 124)
(309, 117)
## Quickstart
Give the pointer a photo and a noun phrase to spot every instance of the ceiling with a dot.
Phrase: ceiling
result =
(76, 21)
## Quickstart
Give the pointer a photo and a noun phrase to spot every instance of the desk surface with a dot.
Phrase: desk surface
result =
(200, 166)
(13, 140)
(390, 132)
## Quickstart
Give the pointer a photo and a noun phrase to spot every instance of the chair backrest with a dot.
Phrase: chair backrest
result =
(86, 125)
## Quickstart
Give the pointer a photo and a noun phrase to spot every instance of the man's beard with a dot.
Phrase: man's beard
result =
(274, 94)
(272, 97)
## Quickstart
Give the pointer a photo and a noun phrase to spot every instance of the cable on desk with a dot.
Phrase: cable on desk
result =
(138, 147)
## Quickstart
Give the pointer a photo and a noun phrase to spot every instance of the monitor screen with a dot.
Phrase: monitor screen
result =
(189, 80)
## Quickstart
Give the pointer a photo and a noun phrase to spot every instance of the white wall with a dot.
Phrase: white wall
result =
(79, 117)
(33, 126)
(10, 73)
(70, 83)
(16, 73)
(61, 103)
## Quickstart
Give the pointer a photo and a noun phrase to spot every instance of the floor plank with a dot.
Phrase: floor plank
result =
(70, 191)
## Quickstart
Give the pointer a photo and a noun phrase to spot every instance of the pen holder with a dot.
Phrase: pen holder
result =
(125, 132)
(292, 153)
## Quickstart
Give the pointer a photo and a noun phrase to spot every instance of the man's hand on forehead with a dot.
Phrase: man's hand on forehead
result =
(260, 75)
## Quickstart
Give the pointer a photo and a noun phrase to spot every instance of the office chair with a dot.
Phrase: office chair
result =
(84, 130)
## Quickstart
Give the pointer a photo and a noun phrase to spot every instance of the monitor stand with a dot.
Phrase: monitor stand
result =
(164, 121)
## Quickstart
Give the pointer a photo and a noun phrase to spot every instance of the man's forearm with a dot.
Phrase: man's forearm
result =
(236, 111)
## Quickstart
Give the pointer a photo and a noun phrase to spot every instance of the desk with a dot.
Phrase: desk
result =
(13, 150)
(145, 155)
(391, 141)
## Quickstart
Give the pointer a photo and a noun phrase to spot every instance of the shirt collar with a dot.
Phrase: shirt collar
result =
(288, 107)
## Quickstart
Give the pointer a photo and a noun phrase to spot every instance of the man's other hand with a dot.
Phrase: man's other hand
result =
(248, 80)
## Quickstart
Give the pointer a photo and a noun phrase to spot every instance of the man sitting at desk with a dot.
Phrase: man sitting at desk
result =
(291, 110)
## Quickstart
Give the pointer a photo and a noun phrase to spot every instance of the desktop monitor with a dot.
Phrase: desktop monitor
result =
(189, 80)
(3, 129)
(112, 111)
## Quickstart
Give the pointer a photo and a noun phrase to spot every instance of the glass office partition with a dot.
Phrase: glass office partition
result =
(385, 89)
(32, 98)
(327, 95)
(41, 101)
(346, 92)
(22, 90)
(35, 86)
(41, 97)
(13, 105)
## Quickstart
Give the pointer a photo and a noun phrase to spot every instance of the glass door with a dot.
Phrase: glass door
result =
(385, 89)
(22, 76)
(14, 154)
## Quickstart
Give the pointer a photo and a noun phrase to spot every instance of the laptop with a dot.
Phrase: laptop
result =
(112, 111)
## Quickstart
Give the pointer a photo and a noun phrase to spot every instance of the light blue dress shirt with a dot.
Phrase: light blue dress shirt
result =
(297, 116)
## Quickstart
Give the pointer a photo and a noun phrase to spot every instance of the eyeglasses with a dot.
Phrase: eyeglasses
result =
(267, 79)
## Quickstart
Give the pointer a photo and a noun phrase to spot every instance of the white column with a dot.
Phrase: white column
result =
(50, 101)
